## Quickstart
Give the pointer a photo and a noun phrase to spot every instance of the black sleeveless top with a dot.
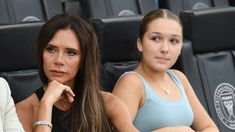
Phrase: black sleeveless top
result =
(60, 124)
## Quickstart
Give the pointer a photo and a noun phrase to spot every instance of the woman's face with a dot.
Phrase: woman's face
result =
(161, 44)
(62, 56)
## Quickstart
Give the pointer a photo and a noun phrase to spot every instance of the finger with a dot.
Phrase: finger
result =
(69, 90)
(63, 96)
(69, 93)
(53, 83)
(69, 97)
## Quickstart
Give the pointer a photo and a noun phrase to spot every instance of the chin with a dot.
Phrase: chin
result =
(60, 80)
(162, 68)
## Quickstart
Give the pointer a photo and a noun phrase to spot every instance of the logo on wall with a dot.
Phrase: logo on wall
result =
(224, 100)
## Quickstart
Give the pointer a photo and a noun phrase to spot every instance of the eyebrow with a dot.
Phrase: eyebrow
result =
(174, 35)
(51, 45)
(73, 49)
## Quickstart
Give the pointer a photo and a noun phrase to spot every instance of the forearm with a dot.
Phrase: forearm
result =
(209, 129)
(166, 129)
(175, 129)
(44, 114)
(128, 128)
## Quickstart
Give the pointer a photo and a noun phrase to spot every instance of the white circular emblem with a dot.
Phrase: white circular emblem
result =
(126, 12)
(224, 100)
(200, 5)
(30, 19)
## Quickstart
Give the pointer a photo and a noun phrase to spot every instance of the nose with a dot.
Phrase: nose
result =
(164, 49)
(59, 59)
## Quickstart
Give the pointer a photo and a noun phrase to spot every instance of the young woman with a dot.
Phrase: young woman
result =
(160, 98)
(70, 100)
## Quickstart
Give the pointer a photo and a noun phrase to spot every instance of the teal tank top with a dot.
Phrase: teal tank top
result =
(158, 112)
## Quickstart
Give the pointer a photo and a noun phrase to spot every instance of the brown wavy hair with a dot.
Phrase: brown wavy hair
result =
(87, 112)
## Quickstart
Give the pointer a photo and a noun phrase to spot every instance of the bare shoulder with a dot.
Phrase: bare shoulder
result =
(26, 111)
(179, 74)
(129, 79)
(184, 80)
(31, 100)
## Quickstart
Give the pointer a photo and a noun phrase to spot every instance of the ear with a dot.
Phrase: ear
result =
(139, 45)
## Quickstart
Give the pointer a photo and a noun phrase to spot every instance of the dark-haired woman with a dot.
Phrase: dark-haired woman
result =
(70, 100)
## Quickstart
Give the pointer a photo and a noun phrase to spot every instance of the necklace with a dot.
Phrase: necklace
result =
(63, 102)
(167, 90)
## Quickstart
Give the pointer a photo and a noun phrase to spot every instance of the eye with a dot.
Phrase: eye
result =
(174, 41)
(156, 38)
(71, 52)
(50, 49)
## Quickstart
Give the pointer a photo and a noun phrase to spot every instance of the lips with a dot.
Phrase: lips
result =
(162, 59)
(57, 73)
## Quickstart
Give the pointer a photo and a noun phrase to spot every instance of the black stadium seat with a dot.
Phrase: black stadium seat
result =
(18, 58)
(4, 14)
(178, 6)
(19, 11)
(117, 38)
(209, 60)
(72, 7)
(187, 63)
(51, 8)
(106, 8)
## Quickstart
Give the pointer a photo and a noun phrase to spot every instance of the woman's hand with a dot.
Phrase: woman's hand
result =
(56, 91)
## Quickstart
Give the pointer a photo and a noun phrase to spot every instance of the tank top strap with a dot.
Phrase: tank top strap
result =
(147, 87)
(177, 81)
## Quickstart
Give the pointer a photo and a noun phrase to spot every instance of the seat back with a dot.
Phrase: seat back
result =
(211, 32)
(18, 58)
(4, 13)
(188, 65)
(178, 6)
(117, 38)
(72, 7)
(19, 11)
(51, 8)
(105, 8)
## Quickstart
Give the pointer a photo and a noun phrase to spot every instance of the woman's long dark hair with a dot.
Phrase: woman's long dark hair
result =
(87, 112)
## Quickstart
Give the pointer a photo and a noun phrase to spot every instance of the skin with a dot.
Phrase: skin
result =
(160, 47)
(61, 57)
(61, 60)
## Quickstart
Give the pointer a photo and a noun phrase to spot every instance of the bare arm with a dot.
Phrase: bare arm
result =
(202, 121)
(52, 95)
(130, 90)
(118, 113)
(175, 129)
(132, 84)
(26, 111)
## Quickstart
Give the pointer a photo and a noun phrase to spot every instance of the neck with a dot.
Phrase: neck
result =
(152, 75)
